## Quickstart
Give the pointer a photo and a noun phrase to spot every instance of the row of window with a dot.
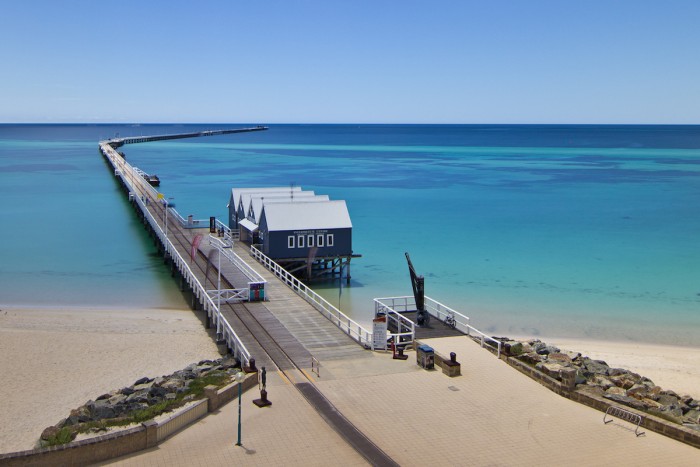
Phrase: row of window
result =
(302, 241)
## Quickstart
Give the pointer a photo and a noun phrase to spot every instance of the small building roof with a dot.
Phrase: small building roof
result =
(237, 192)
(248, 225)
(256, 204)
(302, 216)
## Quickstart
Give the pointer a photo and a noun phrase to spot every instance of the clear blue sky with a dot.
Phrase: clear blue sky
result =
(486, 61)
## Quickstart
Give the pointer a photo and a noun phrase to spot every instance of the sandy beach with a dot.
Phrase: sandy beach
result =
(54, 360)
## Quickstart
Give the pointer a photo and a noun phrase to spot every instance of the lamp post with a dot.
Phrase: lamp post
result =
(167, 204)
(240, 376)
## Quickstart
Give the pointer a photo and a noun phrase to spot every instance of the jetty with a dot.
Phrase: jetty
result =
(266, 317)
(118, 142)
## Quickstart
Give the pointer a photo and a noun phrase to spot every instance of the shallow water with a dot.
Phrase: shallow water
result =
(582, 231)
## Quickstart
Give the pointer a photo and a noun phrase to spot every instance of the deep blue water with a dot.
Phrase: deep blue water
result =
(552, 230)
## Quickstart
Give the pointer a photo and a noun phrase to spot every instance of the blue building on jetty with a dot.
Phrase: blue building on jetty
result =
(307, 234)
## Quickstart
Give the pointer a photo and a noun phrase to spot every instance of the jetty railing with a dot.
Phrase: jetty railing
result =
(443, 312)
(405, 328)
(230, 234)
(351, 327)
(124, 170)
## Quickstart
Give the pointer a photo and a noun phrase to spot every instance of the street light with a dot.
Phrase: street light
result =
(240, 376)
(166, 204)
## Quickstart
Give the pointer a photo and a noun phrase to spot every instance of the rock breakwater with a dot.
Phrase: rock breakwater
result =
(616, 384)
(143, 400)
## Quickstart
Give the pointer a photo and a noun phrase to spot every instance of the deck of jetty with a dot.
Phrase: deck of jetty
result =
(117, 142)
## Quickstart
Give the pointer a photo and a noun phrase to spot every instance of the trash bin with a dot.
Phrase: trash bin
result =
(426, 357)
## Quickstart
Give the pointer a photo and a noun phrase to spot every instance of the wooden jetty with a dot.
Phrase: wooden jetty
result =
(284, 331)
(118, 142)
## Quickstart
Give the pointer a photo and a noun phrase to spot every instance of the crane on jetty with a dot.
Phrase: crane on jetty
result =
(418, 283)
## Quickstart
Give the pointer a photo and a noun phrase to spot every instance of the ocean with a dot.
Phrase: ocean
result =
(587, 231)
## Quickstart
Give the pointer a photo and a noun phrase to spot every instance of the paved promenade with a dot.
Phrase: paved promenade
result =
(491, 415)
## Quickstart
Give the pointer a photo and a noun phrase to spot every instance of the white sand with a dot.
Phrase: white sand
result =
(54, 360)
(671, 367)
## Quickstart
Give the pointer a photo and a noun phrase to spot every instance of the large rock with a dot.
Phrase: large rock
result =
(550, 369)
(513, 348)
(672, 415)
(559, 357)
(604, 382)
(143, 380)
(692, 416)
(626, 400)
(638, 391)
(614, 390)
(596, 367)
(49, 432)
(668, 400)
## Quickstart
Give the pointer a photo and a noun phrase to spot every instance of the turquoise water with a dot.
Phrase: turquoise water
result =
(582, 231)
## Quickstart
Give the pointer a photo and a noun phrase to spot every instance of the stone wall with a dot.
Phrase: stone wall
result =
(120, 443)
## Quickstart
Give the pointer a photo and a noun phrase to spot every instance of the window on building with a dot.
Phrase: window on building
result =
(311, 241)
(319, 240)
(290, 241)
(300, 241)
(329, 240)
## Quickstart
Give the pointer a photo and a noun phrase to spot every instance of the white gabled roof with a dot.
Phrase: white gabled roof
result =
(256, 204)
(237, 192)
(302, 216)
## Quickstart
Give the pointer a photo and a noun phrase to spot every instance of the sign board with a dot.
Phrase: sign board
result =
(379, 328)
(256, 291)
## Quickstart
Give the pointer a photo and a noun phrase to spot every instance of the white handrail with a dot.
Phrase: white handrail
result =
(239, 349)
(401, 321)
(334, 315)
(440, 311)
(236, 260)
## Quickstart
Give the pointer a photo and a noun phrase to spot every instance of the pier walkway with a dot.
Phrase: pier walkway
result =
(117, 142)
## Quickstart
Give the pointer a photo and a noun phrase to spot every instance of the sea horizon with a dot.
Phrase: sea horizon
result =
(567, 230)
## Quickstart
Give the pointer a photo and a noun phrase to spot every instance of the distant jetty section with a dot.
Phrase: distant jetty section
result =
(117, 142)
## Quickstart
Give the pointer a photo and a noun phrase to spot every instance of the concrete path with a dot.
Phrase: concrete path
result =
(491, 415)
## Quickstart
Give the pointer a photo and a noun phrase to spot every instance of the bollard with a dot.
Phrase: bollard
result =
(251, 366)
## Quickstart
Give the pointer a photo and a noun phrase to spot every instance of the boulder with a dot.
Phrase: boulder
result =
(157, 392)
(614, 390)
(127, 391)
(626, 400)
(140, 387)
(692, 416)
(49, 432)
(531, 357)
(651, 403)
(580, 379)
(673, 415)
(102, 412)
(692, 426)
(604, 382)
(114, 400)
(513, 348)
(550, 369)
(143, 380)
(172, 384)
(597, 367)
(667, 400)
(638, 391)
(559, 357)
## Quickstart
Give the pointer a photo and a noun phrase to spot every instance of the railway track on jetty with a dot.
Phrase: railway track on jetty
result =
(287, 364)
(271, 342)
